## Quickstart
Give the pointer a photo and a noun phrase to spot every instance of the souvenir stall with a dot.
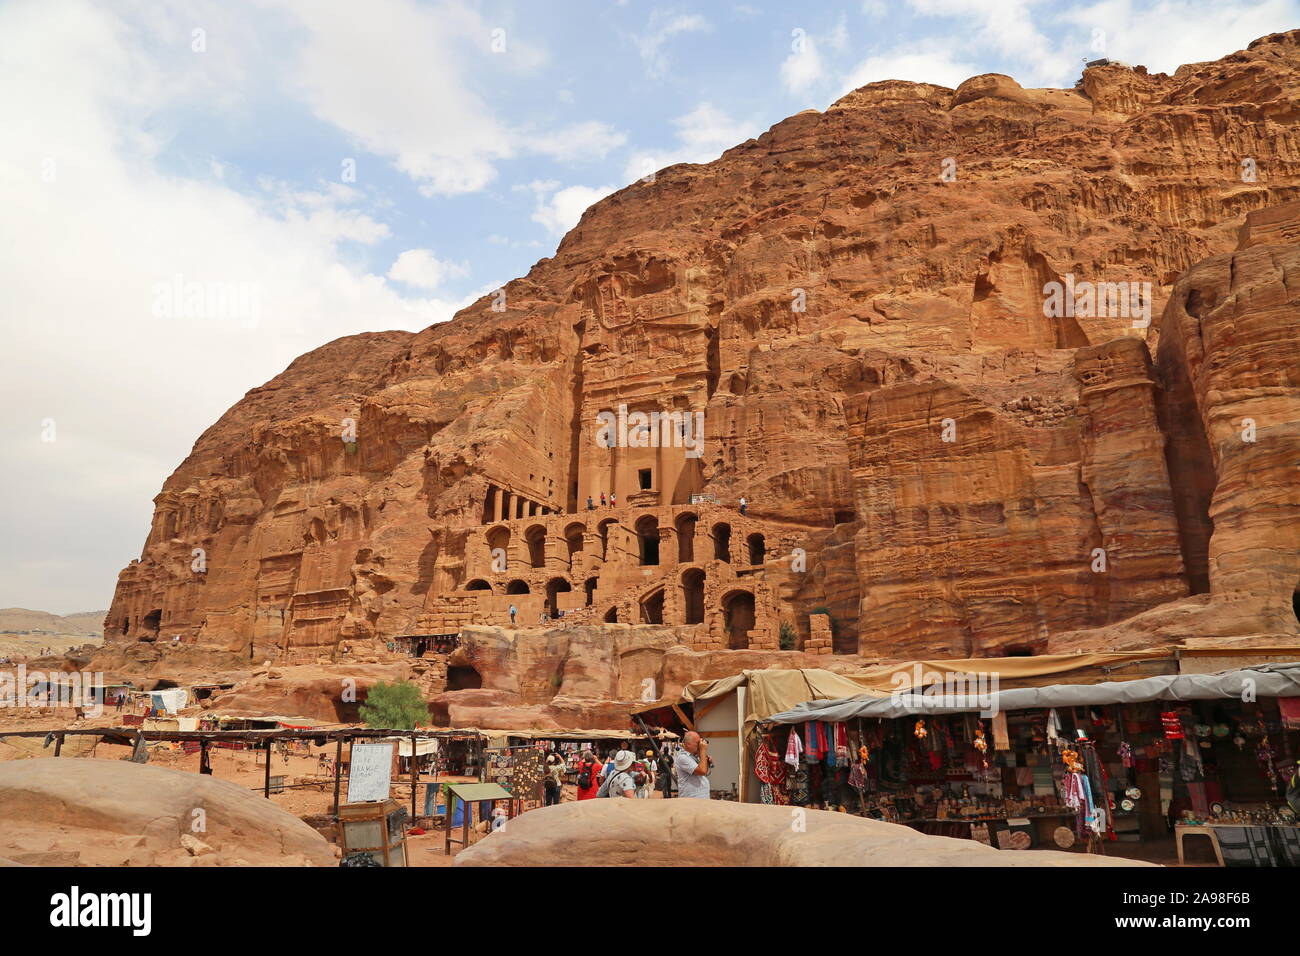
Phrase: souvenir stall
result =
(528, 749)
(1089, 766)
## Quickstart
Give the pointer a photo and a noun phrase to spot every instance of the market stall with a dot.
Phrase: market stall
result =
(1063, 765)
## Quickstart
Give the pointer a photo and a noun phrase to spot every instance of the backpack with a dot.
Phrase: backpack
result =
(584, 777)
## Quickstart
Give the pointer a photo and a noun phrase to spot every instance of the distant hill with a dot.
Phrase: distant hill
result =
(21, 620)
(25, 632)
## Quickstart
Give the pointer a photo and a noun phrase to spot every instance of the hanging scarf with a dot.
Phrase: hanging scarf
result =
(841, 744)
(793, 749)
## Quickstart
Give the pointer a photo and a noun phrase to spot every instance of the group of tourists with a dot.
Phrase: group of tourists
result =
(625, 773)
(610, 502)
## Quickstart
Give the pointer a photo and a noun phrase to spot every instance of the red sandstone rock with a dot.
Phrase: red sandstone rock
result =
(855, 301)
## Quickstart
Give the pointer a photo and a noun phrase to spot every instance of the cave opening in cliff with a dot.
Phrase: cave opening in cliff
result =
(553, 587)
(490, 505)
(1295, 603)
(611, 616)
(150, 625)
(517, 587)
(574, 536)
(463, 677)
(603, 528)
(498, 542)
(757, 549)
(722, 542)
(478, 584)
(685, 525)
(693, 595)
(652, 608)
(536, 538)
(590, 587)
(647, 533)
(738, 614)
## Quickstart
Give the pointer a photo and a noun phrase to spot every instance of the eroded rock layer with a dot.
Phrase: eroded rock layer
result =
(917, 331)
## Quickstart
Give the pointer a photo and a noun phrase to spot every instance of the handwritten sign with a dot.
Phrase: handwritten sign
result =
(371, 772)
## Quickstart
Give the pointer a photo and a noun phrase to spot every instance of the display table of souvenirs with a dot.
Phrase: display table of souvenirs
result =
(1258, 836)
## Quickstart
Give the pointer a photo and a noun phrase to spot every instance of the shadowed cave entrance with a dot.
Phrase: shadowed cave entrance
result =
(463, 677)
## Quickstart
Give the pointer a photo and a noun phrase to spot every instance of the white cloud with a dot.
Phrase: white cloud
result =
(581, 141)
(83, 196)
(702, 135)
(406, 92)
(560, 209)
(1205, 29)
(421, 268)
(661, 27)
(803, 68)
(920, 66)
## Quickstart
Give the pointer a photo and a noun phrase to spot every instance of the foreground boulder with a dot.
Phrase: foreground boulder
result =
(70, 812)
(721, 833)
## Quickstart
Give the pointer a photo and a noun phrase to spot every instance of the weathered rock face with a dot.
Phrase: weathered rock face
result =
(723, 833)
(60, 812)
(917, 328)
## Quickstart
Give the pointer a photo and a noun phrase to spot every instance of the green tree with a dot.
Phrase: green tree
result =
(395, 706)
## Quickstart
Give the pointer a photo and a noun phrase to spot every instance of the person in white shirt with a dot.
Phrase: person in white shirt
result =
(692, 765)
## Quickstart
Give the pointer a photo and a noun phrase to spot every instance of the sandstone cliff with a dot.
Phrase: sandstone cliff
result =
(919, 327)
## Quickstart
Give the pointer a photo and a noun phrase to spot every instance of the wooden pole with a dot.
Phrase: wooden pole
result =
(58, 745)
(338, 769)
(415, 777)
(266, 780)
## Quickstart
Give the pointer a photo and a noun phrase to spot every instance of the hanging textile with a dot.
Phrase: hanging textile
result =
(1001, 738)
(841, 737)
(794, 748)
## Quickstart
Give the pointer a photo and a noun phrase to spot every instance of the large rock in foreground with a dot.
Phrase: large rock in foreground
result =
(67, 812)
(721, 833)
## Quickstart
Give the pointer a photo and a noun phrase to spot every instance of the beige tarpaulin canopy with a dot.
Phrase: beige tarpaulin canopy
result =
(774, 691)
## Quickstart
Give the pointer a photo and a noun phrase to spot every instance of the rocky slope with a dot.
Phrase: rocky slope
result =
(883, 311)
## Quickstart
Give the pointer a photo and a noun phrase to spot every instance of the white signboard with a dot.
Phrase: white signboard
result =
(371, 772)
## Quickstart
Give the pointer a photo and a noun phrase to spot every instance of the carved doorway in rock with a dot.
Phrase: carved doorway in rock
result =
(536, 538)
(647, 536)
(463, 678)
(573, 540)
(652, 607)
(554, 587)
(722, 542)
(693, 595)
(685, 525)
(738, 618)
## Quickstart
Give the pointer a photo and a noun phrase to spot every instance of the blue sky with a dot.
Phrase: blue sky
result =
(206, 140)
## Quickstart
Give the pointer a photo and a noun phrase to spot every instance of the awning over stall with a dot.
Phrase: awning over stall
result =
(1262, 680)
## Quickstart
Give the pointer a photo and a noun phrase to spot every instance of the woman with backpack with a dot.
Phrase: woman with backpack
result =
(623, 781)
(588, 776)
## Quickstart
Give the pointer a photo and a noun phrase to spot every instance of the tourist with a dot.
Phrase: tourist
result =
(692, 765)
(588, 776)
(591, 505)
(621, 782)
(554, 782)
(743, 504)
(665, 775)
(513, 612)
(613, 500)
(608, 770)
(602, 499)
(646, 780)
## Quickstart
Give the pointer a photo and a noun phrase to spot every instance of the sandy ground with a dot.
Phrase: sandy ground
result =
(314, 795)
